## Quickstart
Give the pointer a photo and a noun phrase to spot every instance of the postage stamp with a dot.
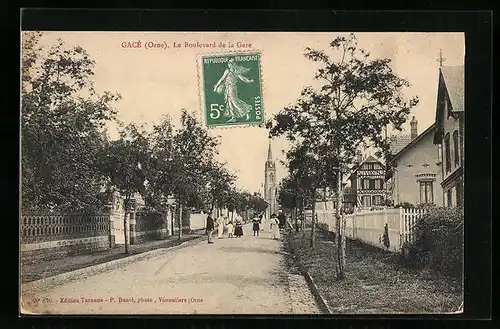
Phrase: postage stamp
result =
(232, 89)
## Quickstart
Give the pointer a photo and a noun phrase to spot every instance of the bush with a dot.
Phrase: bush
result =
(438, 242)
(406, 205)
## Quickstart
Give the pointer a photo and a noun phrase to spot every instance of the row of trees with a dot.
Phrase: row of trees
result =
(70, 164)
(358, 98)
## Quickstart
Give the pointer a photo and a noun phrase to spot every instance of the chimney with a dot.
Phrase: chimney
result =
(413, 125)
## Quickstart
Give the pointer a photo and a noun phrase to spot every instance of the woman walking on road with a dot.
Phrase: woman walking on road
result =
(275, 228)
(220, 227)
(238, 227)
(255, 225)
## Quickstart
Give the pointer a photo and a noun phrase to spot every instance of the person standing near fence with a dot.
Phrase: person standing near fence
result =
(210, 227)
(275, 229)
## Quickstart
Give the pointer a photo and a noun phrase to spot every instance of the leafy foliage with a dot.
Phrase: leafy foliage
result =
(62, 135)
(439, 242)
(358, 98)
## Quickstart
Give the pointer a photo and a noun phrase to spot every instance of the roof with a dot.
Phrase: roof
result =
(454, 80)
(397, 143)
(369, 159)
(415, 141)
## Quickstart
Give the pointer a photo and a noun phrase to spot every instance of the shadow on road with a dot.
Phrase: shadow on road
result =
(251, 250)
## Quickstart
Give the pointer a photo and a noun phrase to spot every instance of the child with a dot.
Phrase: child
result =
(230, 229)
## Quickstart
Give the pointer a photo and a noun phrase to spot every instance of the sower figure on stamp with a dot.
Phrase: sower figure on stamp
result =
(227, 85)
(210, 227)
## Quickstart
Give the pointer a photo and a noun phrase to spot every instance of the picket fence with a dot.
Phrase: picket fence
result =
(368, 225)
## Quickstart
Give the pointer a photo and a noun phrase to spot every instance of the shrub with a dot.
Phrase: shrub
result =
(438, 242)
(406, 205)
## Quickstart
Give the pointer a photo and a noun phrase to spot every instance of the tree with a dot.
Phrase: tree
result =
(358, 99)
(62, 128)
(221, 181)
(192, 152)
(126, 158)
(258, 204)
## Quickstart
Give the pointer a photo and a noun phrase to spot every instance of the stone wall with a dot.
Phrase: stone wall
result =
(54, 235)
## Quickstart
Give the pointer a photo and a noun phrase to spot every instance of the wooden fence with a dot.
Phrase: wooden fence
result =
(368, 226)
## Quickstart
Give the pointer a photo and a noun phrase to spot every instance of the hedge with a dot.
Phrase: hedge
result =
(438, 242)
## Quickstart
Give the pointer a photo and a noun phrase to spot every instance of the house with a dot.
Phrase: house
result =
(449, 133)
(326, 199)
(414, 172)
(368, 183)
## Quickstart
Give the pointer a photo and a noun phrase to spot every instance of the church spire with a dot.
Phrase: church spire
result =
(269, 153)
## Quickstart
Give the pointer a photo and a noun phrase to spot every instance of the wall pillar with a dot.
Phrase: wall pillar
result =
(132, 222)
(111, 233)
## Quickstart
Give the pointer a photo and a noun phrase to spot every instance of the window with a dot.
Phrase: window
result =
(426, 192)
(368, 166)
(366, 184)
(377, 200)
(447, 152)
(440, 153)
(455, 148)
(372, 183)
(378, 184)
(367, 201)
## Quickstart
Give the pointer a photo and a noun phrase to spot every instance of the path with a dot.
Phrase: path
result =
(232, 276)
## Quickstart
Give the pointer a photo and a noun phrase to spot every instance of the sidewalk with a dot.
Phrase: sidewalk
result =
(45, 269)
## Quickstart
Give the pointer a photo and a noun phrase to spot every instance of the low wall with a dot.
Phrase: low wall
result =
(46, 236)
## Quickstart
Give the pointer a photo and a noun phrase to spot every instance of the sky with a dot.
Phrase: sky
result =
(158, 81)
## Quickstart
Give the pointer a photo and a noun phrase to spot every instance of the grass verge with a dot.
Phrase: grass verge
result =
(375, 283)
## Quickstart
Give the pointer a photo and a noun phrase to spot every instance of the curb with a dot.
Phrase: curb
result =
(315, 291)
(322, 303)
(104, 267)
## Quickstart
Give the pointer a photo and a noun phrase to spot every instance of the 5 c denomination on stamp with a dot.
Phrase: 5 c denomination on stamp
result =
(232, 89)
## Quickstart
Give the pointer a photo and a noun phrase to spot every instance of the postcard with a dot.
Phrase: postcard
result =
(241, 173)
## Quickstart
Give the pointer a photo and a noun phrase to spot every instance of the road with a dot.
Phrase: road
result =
(246, 275)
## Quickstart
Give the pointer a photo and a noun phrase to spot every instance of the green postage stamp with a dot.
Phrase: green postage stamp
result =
(231, 89)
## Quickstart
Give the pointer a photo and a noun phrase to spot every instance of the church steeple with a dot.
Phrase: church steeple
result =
(269, 153)
(270, 182)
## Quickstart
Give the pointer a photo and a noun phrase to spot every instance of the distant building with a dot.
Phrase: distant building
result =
(368, 183)
(413, 173)
(270, 188)
(449, 133)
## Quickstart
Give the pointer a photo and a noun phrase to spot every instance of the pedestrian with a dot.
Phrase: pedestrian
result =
(238, 227)
(275, 230)
(273, 215)
(281, 219)
(230, 229)
(255, 225)
(261, 222)
(220, 227)
(210, 227)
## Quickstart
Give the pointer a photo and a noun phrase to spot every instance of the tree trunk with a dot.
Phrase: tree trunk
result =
(180, 219)
(340, 231)
(172, 219)
(302, 214)
(313, 219)
(296, 219)
(125, 224)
